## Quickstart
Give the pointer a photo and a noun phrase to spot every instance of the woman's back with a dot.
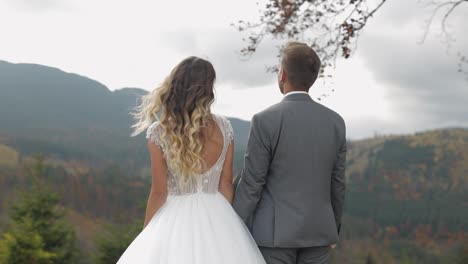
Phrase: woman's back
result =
(217, 137)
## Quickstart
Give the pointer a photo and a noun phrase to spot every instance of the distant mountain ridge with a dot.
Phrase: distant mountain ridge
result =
(59, 110)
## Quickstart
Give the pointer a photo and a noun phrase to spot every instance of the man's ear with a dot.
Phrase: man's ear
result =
(282, 75)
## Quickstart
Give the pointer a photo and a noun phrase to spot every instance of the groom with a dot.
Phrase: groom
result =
(291, 190)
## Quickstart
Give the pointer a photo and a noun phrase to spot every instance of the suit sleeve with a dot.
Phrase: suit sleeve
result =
(338, 182)
(253, 176)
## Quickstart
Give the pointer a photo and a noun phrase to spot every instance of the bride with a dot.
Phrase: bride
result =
(189, 218)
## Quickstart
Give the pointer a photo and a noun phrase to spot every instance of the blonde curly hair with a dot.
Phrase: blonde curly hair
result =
(182, 105)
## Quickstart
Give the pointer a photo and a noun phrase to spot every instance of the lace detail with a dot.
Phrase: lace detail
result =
(207, 182)
(228, 128)
(153, 133)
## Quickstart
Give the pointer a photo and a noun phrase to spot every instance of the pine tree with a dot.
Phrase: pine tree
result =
(38, 233)
(22, 244)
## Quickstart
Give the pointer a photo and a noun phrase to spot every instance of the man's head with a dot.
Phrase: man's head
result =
(299, 67)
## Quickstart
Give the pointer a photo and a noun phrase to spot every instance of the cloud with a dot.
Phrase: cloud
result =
(364, 127)
(422, 81)
(222, 48)
(35, 5)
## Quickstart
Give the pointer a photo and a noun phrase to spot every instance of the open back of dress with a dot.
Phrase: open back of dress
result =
(206, 182)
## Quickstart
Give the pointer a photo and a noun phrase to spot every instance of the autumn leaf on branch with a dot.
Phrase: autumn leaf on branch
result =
(331, 27)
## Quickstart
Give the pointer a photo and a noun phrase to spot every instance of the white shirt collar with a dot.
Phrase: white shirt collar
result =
(296, 92)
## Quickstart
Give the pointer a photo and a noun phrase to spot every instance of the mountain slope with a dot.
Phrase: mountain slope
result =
(403, 192)
(43, 109)
(409, 181)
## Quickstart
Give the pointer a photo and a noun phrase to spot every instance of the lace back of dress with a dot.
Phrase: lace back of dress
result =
(206, 182)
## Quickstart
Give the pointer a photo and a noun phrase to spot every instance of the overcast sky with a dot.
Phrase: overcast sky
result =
(392, 84)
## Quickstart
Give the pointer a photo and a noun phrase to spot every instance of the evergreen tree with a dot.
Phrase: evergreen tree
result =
(23, 244)
(39, 232)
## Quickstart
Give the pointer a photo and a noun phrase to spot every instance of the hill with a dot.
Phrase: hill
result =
(409, 180)
(68, 116)
(403, 192)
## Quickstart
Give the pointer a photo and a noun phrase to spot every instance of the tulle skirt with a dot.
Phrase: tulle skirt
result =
(198, 228)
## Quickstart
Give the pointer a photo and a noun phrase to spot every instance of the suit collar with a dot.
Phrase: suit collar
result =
(297, 97)
(296, 92)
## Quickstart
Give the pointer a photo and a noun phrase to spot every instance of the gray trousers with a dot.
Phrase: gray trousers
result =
(311, 255)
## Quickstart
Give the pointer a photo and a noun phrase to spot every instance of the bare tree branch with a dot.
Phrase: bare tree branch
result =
(331, 27)
(463, 64)
(446, 7)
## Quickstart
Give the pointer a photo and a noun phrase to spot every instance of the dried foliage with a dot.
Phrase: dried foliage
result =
(331, 27)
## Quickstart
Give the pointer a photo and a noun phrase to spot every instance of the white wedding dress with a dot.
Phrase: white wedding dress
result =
(196, 226)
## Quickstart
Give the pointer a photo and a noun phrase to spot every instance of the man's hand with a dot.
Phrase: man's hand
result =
(333, 246)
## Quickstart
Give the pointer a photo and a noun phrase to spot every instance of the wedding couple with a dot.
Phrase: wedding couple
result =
(287, 205)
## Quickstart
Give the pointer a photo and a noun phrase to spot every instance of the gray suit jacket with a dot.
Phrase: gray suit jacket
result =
(292, 185)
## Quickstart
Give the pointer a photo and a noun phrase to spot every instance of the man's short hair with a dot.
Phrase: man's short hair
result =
(301, 63)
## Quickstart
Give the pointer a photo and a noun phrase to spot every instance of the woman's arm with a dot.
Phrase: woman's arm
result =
(158, 193)
(225, 182)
